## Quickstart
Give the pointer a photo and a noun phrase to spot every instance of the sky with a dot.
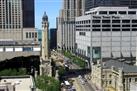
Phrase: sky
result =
(51, 7)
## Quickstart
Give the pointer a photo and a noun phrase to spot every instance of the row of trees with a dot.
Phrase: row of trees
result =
(78, 61)
(13, 72)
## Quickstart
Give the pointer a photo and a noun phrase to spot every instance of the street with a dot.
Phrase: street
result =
(80, 84)
(85, 86)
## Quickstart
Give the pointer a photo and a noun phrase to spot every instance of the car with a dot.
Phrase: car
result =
(79, 76)
(82, 81)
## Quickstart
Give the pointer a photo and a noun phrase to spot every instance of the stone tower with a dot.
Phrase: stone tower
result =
(45, 67)
(45, 37)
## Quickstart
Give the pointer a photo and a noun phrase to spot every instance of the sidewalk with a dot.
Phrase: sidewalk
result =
(76, 85)
(93, 86)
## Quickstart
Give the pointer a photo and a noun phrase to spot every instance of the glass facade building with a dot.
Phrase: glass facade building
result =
(96, 3)
(28, 13)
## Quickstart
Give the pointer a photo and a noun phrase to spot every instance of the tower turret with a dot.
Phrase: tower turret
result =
(45, 23)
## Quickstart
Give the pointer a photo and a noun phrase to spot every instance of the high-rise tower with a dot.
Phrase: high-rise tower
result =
(28, 13)
(96, 3)
(66, 23)
(16, 18)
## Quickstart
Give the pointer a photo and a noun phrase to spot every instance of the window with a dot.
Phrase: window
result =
(95, 25)
(110, 76)
(27, 35)
(105, 25)
(103, 76)
(129, 79)
(105, 21)
(134, 25)
(125, 25)
(110, 82)
(134, 29)
(35, 34)
(125, 21)
(87, 25)
(96, 51)
(96, 21)
(135, 79)
(102, 12)
(132, 12)
(27, 49)
(115, 29)
(105, 29)
(82, 33)
(95, 29)
(122, 12)
(115, 21)
(32, 35)
(88, 49)
(112, 12)
(126, 29)
(123, 80)
(134, 21)
(115, 25)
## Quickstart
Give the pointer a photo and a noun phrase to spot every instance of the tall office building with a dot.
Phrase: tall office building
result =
(28, 13)
(66, 23)
(106, 32)
(53, 38)
(10, 14)
(17, 30)
(96, 3)
(16, 18)
(72, 8)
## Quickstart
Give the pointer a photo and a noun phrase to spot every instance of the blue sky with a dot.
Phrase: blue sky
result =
(52, 9)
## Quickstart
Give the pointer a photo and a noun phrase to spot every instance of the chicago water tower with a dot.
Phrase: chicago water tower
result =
(45, 67)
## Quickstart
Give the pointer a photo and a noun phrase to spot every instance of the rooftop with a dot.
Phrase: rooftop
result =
(105, 8)
(118, 64)
(17, 83)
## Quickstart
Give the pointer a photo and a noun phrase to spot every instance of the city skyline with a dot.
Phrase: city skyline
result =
(68, 45)
(51, 7)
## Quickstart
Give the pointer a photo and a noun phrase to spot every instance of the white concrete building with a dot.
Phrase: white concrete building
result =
(106, 32)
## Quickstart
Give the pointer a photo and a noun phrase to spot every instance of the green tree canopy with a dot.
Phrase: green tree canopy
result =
(46, 83)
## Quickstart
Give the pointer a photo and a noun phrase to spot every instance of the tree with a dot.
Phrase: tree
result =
(13, 72)
(46, 83)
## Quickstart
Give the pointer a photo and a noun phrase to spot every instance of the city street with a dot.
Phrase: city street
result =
(85, 86)
(74, 73)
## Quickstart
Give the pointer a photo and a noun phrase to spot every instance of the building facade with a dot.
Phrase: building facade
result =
(66, 23)
(114, 75)
(106, 32)
(53, 38)
(17, 29)
(16, 18)
(89, 4)
(28, 13)
(75, 8)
